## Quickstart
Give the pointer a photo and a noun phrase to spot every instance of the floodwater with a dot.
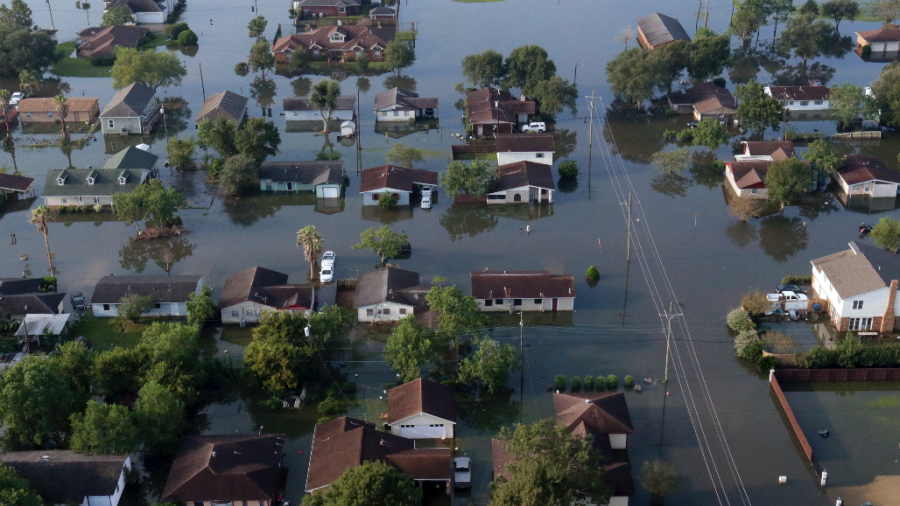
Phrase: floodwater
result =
(716, 421)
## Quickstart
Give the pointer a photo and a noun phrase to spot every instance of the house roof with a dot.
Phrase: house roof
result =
(129, 102)
(482, 106)
(619, 479)
(860, 269)
(716, 103)
(46, 104)
(389, 284)
(799, 92)
(421, 396)
(778, 150)
(266, 287)
(35, 302)
(702, 94)
(346, 442)
(524, 143)
(226, 468)
(17, 286)
(519, 174)
(377, 11)
(39, 324)
(15, 183)
(607, 413)
(659, 29)
(135, 6)
(860, 169)
(111, 289)
(749, 173)
(365, 37)
(314, 172)
(65, 476)
(521, 284)
(131, 158)
(224, 104)
(343, 103)
(397, 178)
(328, 3)
(104, 40)
(881, 35)
(404, 98)
(501, 458)
(106, 182)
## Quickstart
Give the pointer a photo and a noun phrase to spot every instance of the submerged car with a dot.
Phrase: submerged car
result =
(462, 472)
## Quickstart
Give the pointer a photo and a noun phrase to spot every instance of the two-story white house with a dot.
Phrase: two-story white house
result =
(537, 148)
(859, 285)
(132, 111)
(168, 294)
(523, 291)
(63, 477)
(250, 293)
(801, 98)
(388, 294)
(421, 409)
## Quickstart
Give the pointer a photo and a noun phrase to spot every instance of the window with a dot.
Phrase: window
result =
(341, 10)
(158, 305)
(489, 303)
(818, 102)
(386, 311)
(396, 113)
(860, 324)
(377, 54)
(791, 102)
(111, 124)
(375, 196)
(27, 114)
(804, 103)
(63, 200)
(517, 302)
(235, 314)
(538, 301)
(50, 114)
(96, 200)
(499, 301)
(402, 310)
(754, 190)
(370, 312)
(857, 304)
(315, 52)
(539, 155)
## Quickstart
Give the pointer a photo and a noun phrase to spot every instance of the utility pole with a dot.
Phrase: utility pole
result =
(52, 24)
(522, 335)
(699, 10)
(783, 122)
(590, 141)
(628, 246)
(706, 19)
(202, 86)
(669, 316)
(522, 369)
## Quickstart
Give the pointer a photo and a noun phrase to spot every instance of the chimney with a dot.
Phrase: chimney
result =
(887, 321)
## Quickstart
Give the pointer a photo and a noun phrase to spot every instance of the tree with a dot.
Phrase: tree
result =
(311, 240)
(118, 15)
(886, 234)
(103, 429)
(554, 95)
(15, 490)
(384, 242)
(4, 105)
(149, 201)
(35, 404)
(41, 218)
(744, 208)
(131, 307)
(625, 36)
(324, 97)
(168, 355)
(484, 69)
(373, 483)
(457, 313)
(239, 174)
(257, 26)
(659, 478)
(820, 154)
(788, 179)
(25, 50)
(756, 110)
(18, 14)
(491, 364)
(398, 55)
(261, 58)
(410, 348)
(748, 18)
(847, 102)
(200, 307)
(29, 80)
(839, 10)
(181, 153)
(672, 162)
(709, 56)
(810, 8)
(149, 68)
(362, 62)
(633, 74)
(805, 35)
(173, 31)
(549, 466)
(62, 110)
(258, 139)
(888, 10)
(159, 414)
(218, 134)
(188, 38)
(473, 178)
(403, 156)
(710, 133)
(527, 66)
(781, 10)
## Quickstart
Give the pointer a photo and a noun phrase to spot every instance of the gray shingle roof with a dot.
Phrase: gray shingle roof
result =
(404, 98)
(129, 102)
(67, 476)
(312, 172)
(659, 29)
(860, 269)
(105, 185)
(131, 158)
(34, 303)
(224, 104)
(386, 285)
(519, 174)
(111, 289)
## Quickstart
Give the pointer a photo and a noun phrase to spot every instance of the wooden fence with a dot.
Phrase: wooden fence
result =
(795, 427)
(860, 374)
(869, 134)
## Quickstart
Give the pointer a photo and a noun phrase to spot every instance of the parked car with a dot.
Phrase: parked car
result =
(326, 275)
(788, 300)
(328, 258)
(692, 124)
(426, 191)
(789, 288)
(428, 113)
(462, 472)
(77, 299)
(535, 126)
(16, 98)
(426, 202)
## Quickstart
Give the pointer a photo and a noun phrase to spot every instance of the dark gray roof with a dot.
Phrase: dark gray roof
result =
(404, 98)
(16, 286)
(15, 183)
(328, 3)
(224, 104)
(131, 158)
(135, 6)
(389, 285)
(66, 476)
(519, 174)
(129, 102)
(105, 184)
(344, 103)
(266, 287)
(659, 29)
(313, 172)
(31, 303)
(381, 10)
(111, 289)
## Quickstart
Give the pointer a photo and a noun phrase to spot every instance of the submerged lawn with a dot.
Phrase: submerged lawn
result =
(76, 67)
(103, 332)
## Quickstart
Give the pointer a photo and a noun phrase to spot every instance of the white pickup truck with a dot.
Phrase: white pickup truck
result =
(788, 301)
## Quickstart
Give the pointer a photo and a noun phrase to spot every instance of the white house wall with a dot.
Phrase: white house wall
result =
(529, 304)
(873, 189)
(112, 500)
(811, 105)
(392, 308)
(618, 441)
(250, 312)
(545, 157)
(150, 17)
(165, 309)
(371, 198)
(90, 201)
(423, 419)
(618, 500)
(753, 193)
(873, 303)
(395, 115)
(339, 115)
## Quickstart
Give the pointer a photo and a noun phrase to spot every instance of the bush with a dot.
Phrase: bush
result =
(242, 69)
(387, 200)
(592, 274)
(98, 208)
(739, 320)
(103, 61)
(743, 339)
(766, 363)
(588, 383)
(796, 280)
(612, 382)
(818, 358)
(568, 169)
(629, 381)
(559, 382)
(755, 303)
(61, 209)
(779, 342)
(576, 384)
(849, 351)
(173, 31)
(73, 209)
(753, 351)
(83, 209)
(188, 38)
(867, 50)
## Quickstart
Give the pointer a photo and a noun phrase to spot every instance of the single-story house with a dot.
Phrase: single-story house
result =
(860, 287)
(132, 157)
(866, 175)
(43, 110)
(397, 104)
(382, 12)
(336, 43)
(169, 294)
(21, 297)
(325, 178)
(523, 291)
(883, 40)
(36, 326)
(522, 182)
(301, 109)
(90, 187)
(748, 177)
(249, 293)
(400, 181)
(770, 151)
(705, 100)
(325, 8)
(143, 11)
(490, 111)
(15, 186)
(388, 294)
(224, 104)
(346, 442)
(234, 469)
(421, 409)
(605, 413)
(102, 41)
(537, 148)
(658, 29)
(132, 111)
(63, 477)
(801, 98)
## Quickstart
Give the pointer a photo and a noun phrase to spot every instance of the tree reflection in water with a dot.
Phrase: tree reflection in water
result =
(467, 220)
(400, 81)
(741, 233)
(263, 91)
(801, 73)
(165, 253)
(781, 237)
(671, 185)
(488, 412)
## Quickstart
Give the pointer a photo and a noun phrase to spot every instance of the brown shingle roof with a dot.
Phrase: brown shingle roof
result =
(501, 459)
(482, 108)
(389, 285)
(404, 98)
(799, 92)
(701, 92)
(519, 174)
(223, 104)
(781, 149)
(524, 143)
(342, 103)
(421, 396)
(246, 285)
(103, 41)
(394, 177)
(881, 35)
(15, 183)
(226, 468)
(749, 173)
(716, 103)
(860, 169)
(67, 476)
(521, 284)
(366, 37)
(860, 269)
(46, 104)
(607, 413)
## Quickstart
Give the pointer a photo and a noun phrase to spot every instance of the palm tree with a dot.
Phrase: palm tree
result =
(309, 238)
(28, 81)
(62, 108)
(4, 103)
(41, 218)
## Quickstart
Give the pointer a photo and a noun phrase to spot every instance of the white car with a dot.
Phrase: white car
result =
(426, 202)
(328, 258)
(16, 97)
(326, 275)
(462, 472)
(535, 126)
(426, 191)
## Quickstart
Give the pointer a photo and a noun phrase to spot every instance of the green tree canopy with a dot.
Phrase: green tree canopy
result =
(398, 55)
(527, 66)
(258, 139)
(886, 233)
(888, 10)
(410, 348)
(114, 372)
(181, 153)
(490, 365)
(403, 156)
(219, 135)
(473, 178)
(787, 180)
(806, 35)
(200, 307)
(457, 313)
(820, 154)
(748, 18)
(17, 15)
(484, 69)
(159, 414)
(35, 404)
(22, 49)
(323, 96)
(104, 429)
(709, 56)
(149, 68)
(149, 202)
(672, 162)
(369, 484)
(554, 95)
(633, 75)
(257, 26)
(383, 241)
(239, 174)
(839, 10)
(659, 478)
(847, 102)
(15, 490)
(261, 58)
(710, 133)
(756, 110)
(131, 307)
(118, 15)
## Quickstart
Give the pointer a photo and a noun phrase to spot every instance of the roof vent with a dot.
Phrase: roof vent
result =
(45, 457)
(383, 442)
(587, 401)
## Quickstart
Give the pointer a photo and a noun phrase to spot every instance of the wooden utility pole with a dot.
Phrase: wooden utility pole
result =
(628, 246)
(522, 335)
(699, 10)
(706, 19)
(202, 86)
(590, 143)
(669, 316)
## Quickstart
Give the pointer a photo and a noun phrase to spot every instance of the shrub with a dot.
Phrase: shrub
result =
(188, 38)
(242, 69)
(588, 383)
(817, 358)
(83, 209)
(103, 61)
(593, 274)
(779, 342)
(755, 303)
(612, 382)
(175, 30)
(387, 200)
(752, 351)
(629, 381)
(739, 320)
(743, 339)
(849, 351)
(62, 209)
(559, 382)
(568, 169)
(766, 363)
(98, 208)
(867, 50)
(576, 384)
(74, 209)
(796, 280)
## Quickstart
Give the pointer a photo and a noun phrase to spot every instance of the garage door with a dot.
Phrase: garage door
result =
(421, 431)
(330, 193)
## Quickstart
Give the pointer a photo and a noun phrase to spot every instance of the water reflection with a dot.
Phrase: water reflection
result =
(741, 233)
(52, 86)
(363, 84)
(567, 185)
(746, 64)
(836, 45)
(638, 134)
(488, 413)
(165, 253)
(522, 212)
(823, 203)
(400, 81)
(781, 237)
(386, 216)
(565, 141)
(301, 86)
(705, 171)
(247, 210)
(671, 185)
(468, 220)
(801, 73)
(865, 204)
(262, 90)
